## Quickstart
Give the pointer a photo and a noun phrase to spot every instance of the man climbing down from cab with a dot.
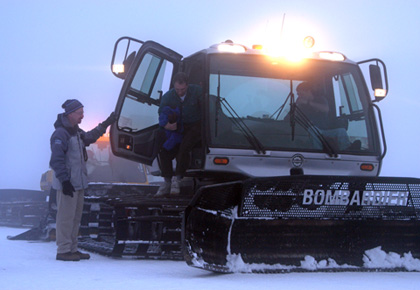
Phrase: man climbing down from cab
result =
(183, 98)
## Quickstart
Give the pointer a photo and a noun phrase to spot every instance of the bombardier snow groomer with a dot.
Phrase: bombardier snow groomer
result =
(269, 183)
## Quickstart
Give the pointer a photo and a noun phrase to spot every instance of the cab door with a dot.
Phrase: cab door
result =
(136, 134)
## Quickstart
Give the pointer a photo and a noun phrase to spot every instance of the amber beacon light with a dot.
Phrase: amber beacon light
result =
(221, 161)
(366, 167)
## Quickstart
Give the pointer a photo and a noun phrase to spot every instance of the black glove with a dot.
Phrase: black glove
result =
(111, 119)
(68, 188)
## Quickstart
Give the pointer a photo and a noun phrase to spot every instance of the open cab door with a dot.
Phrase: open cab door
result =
(136, 134)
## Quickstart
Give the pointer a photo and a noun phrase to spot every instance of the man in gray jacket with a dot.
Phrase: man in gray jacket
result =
(68, 161)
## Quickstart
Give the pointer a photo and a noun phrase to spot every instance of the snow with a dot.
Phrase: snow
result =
(32, 265)
(377, 258)
(373, 259)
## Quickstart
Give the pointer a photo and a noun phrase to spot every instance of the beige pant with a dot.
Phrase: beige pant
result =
(69, 215)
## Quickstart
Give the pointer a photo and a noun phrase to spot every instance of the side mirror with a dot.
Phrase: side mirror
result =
(378, 77)
(118, 69)
(375, 76)
(376, 82)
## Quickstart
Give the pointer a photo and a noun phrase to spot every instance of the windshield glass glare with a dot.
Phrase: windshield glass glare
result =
(331, 105)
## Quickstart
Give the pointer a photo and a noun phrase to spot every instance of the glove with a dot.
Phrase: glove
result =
(68, 188)
(111, 119)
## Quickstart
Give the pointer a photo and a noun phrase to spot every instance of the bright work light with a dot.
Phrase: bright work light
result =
(118, 68)
(380, 93)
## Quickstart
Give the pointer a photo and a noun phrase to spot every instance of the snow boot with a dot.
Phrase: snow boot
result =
(82, 256)
(175, 186)
(164, 189)
(69, 256)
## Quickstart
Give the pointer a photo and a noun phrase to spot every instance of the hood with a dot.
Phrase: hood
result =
(63, 121)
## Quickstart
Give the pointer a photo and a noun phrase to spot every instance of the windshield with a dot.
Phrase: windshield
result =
(308, 106)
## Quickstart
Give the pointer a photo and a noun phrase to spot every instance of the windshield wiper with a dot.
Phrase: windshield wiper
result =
(237, 121)
(298, 116)
(280, 109)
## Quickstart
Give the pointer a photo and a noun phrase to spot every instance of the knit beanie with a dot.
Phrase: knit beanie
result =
(70, 106)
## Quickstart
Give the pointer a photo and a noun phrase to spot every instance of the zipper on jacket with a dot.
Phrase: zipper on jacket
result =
(81, 157)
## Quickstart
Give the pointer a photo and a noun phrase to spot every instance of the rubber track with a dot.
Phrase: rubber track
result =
(224, 269)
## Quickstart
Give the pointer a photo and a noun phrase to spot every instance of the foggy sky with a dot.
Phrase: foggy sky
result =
(51, 51)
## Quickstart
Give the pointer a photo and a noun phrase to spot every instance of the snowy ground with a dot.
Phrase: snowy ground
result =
(32, 265)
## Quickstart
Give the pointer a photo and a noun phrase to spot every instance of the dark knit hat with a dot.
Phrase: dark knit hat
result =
(71, 106)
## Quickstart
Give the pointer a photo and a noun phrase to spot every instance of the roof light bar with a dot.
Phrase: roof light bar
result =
(336, 56)
(231, 47)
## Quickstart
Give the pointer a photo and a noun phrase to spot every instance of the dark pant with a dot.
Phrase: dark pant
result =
(191, 136)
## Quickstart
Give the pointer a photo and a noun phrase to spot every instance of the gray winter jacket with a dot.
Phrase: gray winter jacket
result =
(68, 152)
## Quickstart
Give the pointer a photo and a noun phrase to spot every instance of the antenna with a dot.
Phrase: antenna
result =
(282, 25)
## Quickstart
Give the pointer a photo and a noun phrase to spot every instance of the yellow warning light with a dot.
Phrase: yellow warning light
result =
(289, 54)
(118, 68)
(308, 42)
(128, 147)
(257, 46)
(291, 50)
(367, 167)
(221, 161)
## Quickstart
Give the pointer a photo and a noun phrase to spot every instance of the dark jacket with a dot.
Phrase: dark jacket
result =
(172, 137)
(68, 153)
(190, 108)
